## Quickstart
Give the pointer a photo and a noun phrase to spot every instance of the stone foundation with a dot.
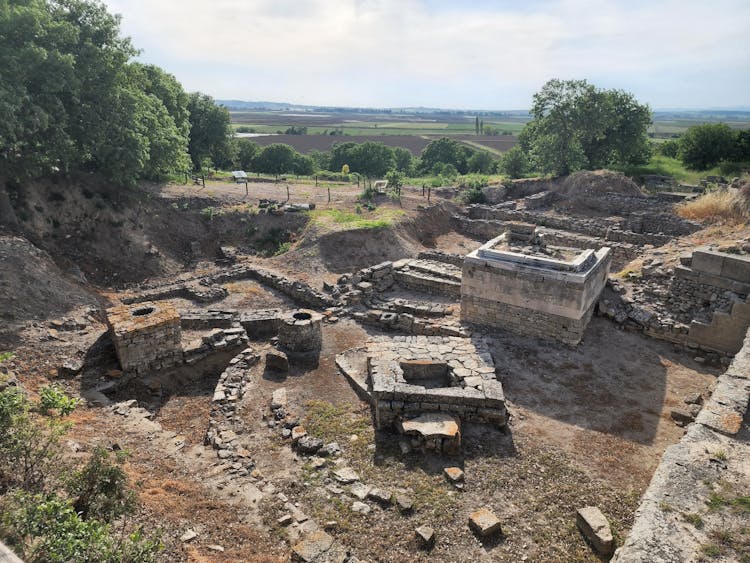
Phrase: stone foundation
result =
(146, 336)
(410, 376)
(301, 332)
(532, 294)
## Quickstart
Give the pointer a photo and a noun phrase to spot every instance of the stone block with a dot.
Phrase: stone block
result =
(484, 522)
(595, 528)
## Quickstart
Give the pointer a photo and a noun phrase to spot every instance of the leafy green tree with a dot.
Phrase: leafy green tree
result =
(340, 154)
(322, 159)
(404, 161)
(372, 159)
(482, 162)
(395, 182)
(576, 125)
(303, 165)
(704, 146)
(670, 148)
(247, 150)
(514, 163)
(210, 131)
(445, 151)
(741, 151)
(70, 97)
(275, 159)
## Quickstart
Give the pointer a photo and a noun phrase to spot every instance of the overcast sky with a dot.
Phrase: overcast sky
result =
(477, 54)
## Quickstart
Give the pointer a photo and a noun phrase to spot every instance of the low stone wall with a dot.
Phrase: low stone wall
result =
(430, 277)
(409, 324)
(655, 228)
(223, 417)
(684, 480)
(298, 291)
(187, 290)
(262, 323)
(205, 320)
(440, 256)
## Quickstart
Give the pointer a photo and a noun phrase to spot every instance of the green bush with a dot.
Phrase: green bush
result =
(100, 488)
(473, 195)
(46, 528)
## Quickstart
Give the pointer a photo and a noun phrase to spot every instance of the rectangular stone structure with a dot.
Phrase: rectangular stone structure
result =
(147, 336)
(533, 294)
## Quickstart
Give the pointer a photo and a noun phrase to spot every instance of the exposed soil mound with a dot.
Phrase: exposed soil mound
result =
(594, 193)
(118, 236)
(586, 184)
(32, 286)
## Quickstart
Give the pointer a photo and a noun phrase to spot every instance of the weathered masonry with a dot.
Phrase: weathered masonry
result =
(146, 336)
(530, 292)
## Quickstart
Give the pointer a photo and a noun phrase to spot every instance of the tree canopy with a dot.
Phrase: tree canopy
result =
(445, 151)
(704, 146)
(577, 126)
(71, 97)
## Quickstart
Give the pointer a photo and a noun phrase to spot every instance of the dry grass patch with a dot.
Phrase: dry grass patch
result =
(718, 206)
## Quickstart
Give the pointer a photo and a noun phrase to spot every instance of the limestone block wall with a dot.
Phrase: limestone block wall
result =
(146, 336)
(532, 300)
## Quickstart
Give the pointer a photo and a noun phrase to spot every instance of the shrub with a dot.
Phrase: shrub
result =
(46, 528)
(28, 446)
(100, 487)
(670, 148)
(514, 163)
(473, 195)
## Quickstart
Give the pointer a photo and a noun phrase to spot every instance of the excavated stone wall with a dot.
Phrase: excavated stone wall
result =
(146, 336)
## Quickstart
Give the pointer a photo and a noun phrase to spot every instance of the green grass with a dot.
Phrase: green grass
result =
(380, 218)
(665, 166)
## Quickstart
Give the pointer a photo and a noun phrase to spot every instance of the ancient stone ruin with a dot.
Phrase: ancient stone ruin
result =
(146, 336)
(515, 282)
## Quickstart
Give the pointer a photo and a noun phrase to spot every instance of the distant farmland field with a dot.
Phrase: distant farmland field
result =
(414, 143)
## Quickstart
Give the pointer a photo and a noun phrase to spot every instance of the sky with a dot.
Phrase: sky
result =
(473, 54)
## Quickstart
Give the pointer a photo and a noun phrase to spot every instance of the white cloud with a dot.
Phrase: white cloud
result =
(397, 52)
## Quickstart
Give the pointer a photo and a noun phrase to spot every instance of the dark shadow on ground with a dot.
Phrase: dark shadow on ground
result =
(614, 382)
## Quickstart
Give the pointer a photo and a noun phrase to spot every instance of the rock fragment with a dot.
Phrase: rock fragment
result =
(595, 528)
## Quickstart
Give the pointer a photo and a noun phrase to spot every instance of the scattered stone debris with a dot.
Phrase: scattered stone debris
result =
(345, 475)
(425, 537)
(404, 504)
(454, 474)
(360, 507)
(381, 496)
(188, 536)
(312, 546)
(595, 528)
(484, 522)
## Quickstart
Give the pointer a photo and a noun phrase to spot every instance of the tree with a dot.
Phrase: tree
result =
(246, 152)
(210, 131)
(372, 159)
(482, 162)
(514, 163)
(670, 148)
(403, 160)
(445, 151)
(70, 98)
(576, 125)
(303, 165)
(276, 159)
(704, 146)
